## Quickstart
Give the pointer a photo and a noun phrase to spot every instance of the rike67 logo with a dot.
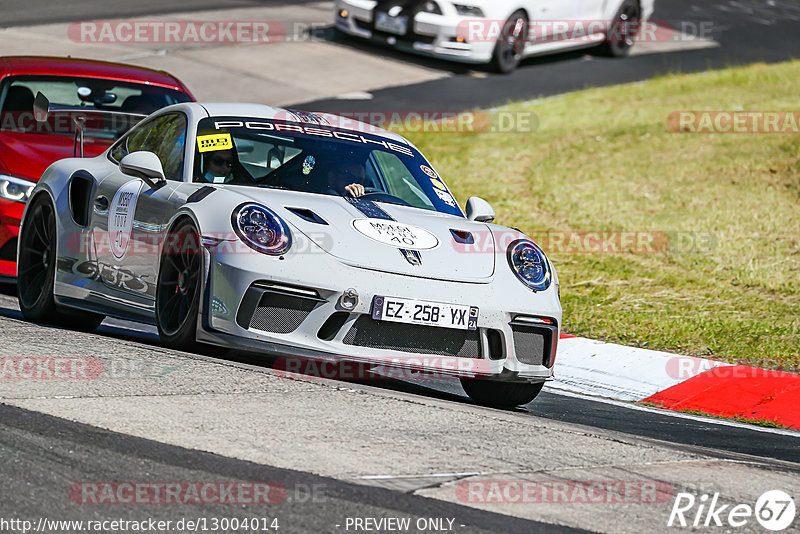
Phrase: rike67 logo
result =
(774, 510)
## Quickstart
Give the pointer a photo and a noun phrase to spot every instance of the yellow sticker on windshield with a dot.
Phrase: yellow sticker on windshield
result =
(438, 185)
(208, 143)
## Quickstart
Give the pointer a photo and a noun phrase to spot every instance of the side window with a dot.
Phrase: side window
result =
(398, 179)
(165, 136)
(135, 140)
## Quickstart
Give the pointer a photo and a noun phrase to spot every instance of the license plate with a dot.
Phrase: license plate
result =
(420, 312)
(386, 23)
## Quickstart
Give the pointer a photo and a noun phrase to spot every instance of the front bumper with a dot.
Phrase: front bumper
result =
(300, 313)
(10, 217)
(429, 34)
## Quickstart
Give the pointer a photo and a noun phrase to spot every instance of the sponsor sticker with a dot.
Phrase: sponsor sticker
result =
(438, 184)
(396, 234)
(308, 164)
(446, 197)
(430, 172)
(120, 217)
(209, 143)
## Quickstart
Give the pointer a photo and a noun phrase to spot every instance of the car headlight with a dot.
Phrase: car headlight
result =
(261, 229)
(468, 11)
(530, 264)
(431, 7)
(15, 189)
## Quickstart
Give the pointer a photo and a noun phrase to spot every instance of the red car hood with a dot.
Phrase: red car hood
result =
(27, 155)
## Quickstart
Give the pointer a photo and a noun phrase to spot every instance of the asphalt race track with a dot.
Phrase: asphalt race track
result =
(373, 448)
(678, 429)
(145, 408)
(48, 448)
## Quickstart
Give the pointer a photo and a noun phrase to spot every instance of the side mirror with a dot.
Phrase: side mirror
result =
(479, 210)
(41, 107)
(144, 165)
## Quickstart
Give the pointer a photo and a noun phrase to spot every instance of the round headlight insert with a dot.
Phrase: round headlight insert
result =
(530, 264)
(261, 229)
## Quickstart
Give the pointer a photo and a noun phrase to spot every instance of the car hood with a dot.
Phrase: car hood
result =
(27, 155)
(381, 236)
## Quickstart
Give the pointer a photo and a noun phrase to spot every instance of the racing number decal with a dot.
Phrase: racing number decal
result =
(396, 234)
(208, 143)
(120, 217)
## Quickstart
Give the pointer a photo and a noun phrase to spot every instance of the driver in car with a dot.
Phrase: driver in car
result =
(347, 180)
(218, 166)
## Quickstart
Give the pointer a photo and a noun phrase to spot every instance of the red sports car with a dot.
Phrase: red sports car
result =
(28, 147)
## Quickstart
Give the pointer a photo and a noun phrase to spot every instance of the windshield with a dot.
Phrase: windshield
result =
(317, 159)
(77, 94)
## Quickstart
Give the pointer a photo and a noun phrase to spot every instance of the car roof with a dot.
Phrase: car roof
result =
(59, 66)
(228, 109)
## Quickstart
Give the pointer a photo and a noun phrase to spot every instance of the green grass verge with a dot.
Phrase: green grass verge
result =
(604, 159)
(769, 423)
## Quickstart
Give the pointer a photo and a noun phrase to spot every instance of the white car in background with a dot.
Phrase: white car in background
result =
(498, 32)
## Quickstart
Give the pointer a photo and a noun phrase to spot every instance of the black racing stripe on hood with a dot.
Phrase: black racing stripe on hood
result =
(373, 211)
(369, 208)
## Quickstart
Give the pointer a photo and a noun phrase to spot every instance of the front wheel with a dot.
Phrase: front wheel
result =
(511, 44)
(36, 272)
(624, 29)
(501, 394)
(178, 288)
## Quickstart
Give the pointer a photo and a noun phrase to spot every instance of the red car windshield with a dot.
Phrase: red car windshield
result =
(74, 95)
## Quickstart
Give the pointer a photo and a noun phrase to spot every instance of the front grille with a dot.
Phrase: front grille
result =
(281, 314)
(9, 250)
(529, 345)
(367, 332)
(408, 39)
(535, 344)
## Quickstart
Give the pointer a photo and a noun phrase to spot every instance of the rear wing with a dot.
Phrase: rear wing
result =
(42, 108)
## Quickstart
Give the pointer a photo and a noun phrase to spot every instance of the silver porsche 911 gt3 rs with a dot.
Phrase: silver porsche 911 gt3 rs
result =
(291, 233)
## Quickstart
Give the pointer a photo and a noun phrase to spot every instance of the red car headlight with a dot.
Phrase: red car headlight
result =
(15, 189)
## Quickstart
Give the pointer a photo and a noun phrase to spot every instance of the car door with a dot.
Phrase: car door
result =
(130, 216)
(565, 23)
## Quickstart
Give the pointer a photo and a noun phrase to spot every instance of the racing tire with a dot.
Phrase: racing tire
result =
(510, 45)
(178, 287)
(624, 28)
(501, 394)
(36, 272)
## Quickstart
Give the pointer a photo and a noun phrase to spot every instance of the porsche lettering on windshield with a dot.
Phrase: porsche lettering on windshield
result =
(312, 130)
